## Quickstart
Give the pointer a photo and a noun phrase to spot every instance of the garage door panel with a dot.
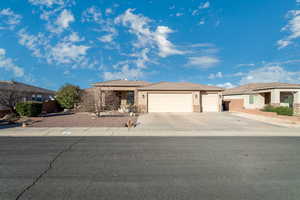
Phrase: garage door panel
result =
(210, 102)
(170, 103)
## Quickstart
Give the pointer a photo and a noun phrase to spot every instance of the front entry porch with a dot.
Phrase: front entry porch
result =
(282, 97)
(122, 101)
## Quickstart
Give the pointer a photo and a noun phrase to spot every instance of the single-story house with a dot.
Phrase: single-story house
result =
(258, 95)
(21, 92)
(159, 97)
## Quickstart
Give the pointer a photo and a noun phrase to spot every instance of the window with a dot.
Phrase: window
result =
(130, 98)
(39, 97)
(251, 99)
(33, 97)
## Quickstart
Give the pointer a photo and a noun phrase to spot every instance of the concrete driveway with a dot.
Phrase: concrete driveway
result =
(200, 121)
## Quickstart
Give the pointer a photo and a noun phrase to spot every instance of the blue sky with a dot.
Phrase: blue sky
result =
(52, 42)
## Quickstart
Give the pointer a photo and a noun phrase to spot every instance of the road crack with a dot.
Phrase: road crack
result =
(50, 166)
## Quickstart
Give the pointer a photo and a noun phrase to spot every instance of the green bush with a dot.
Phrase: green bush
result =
(284, 111)
(269, 108)
(68, 96)
(29, 109)
(279, 110)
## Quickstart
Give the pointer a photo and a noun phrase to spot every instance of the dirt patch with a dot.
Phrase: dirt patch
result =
(82, 120)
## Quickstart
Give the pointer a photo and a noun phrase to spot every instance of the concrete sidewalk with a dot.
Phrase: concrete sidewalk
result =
(268, 120)
(75, 132)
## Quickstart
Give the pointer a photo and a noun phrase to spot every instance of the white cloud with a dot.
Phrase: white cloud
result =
(205, 5)
(66, 52)
(34, 43)
(106, 26)
(201, 22)
(62, 22)
(108, 11)
(179, 14)
(271, 74)
(246, 65)
(74, 37)
(106, 38)
(8, 19)
(142, 58)
(216, 75)
(293, 28)
(166, 48)
(202, 6)
(226, 85)
(139, 26)
(125, 73)
(9, 65)
(92, 14)
(203, 61)
(48, 3)
(65, 18)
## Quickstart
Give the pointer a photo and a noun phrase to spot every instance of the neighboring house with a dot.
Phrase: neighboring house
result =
(159, 97)
(258, 95)
(23, 92)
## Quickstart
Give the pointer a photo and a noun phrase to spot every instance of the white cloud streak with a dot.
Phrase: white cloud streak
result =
(293, 28)
(227, 85)
(8, 19)
(271, 74)
(125, 73)
(203, 62)
(139, 25)
(9, 65)
(48, 3)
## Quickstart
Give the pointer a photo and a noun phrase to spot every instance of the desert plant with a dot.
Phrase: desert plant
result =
(29, 109)
(279, 110)
(68, 95)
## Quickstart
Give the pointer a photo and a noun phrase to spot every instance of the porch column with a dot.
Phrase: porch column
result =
(275, 97)
(135, 97)
(297, 103)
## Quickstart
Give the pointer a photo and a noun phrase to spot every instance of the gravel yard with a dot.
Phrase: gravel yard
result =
(82, 120)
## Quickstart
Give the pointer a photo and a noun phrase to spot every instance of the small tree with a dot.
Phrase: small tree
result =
(10, 98)
(68, 96)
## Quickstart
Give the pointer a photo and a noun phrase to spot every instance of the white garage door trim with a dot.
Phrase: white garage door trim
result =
(210, 102)
(170, 103)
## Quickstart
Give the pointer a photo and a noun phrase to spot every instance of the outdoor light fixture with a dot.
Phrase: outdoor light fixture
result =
(143, 96)
(196, 96)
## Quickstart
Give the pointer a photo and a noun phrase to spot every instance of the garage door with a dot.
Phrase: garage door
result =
(170, 103)
(210, 103)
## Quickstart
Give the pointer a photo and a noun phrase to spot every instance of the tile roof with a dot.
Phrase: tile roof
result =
(122, 83)
(13, 85)
(173, 86)
(253, 87)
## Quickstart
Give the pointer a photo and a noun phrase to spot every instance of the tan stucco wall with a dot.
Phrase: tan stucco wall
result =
(259, 100)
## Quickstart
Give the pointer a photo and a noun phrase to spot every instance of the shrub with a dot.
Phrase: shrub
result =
(279, 110)
(269, 108)
(29, 109)
(284, 111)
(68, 96)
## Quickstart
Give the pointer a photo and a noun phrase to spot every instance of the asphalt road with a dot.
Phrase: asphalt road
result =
(54, 168)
